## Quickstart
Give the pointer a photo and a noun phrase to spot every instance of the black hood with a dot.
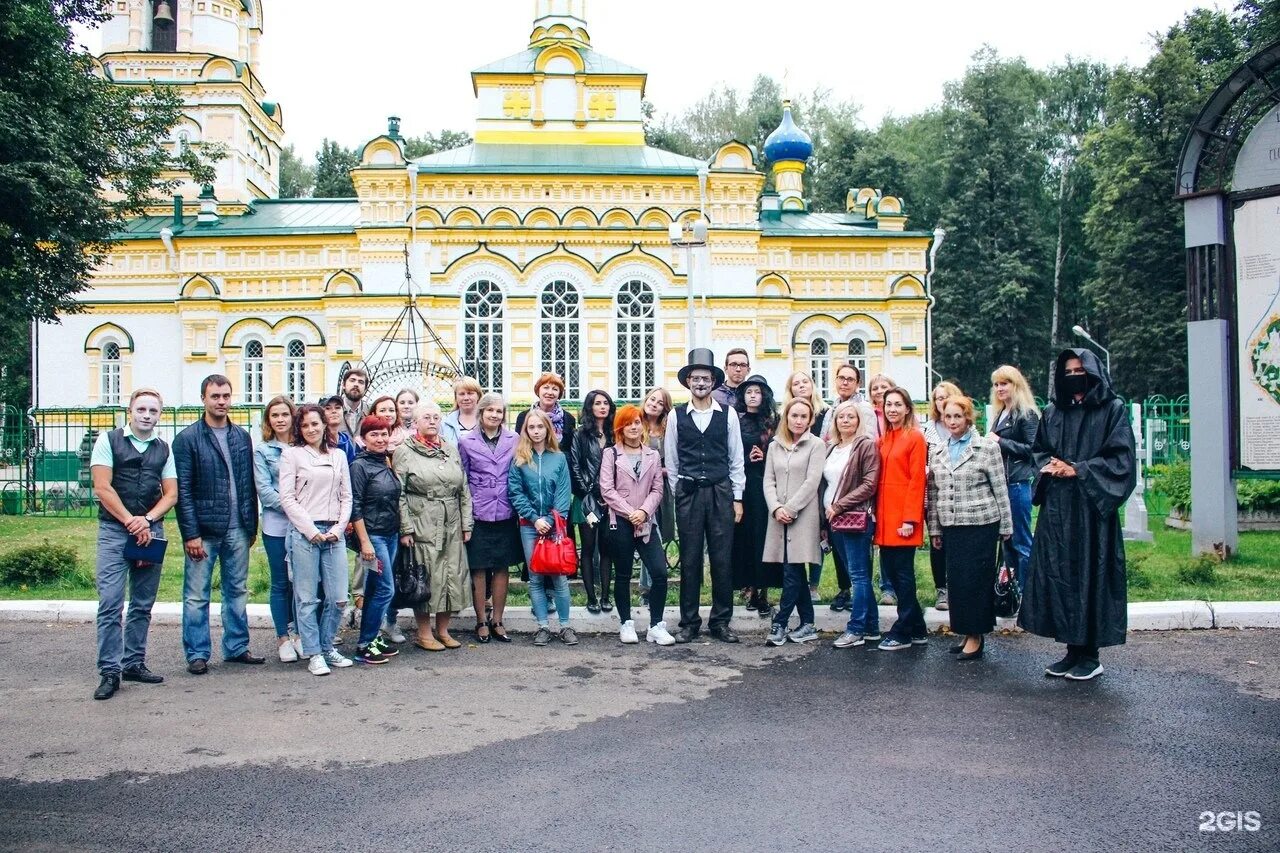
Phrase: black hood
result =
(1099, 383)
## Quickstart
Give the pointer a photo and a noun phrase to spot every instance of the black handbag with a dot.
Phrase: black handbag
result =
(1008, 598)
(413, 582)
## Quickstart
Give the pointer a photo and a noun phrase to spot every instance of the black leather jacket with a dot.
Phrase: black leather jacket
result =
(1017, 436)
(584, 462)
(375, 494)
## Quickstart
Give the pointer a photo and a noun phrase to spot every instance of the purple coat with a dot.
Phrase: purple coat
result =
(486, 469)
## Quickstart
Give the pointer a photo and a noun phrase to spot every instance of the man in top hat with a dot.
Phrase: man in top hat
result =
(703, 449)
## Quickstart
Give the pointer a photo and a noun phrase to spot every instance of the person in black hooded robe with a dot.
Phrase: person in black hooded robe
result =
(1075, 590)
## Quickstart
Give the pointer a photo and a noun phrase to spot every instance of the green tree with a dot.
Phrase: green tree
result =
(1134, 226)
(296, 177)
(333, 171)
(1258, 24)
(78, 156)
(430, 143)
(992, 287)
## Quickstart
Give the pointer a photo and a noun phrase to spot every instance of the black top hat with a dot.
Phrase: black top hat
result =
(701, 359)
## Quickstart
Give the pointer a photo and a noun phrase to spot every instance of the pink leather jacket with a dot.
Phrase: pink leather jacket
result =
(624, 492)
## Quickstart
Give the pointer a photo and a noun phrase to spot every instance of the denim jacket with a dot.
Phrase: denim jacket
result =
(266, 471)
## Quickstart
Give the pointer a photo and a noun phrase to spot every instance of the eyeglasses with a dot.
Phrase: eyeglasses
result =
(741, 364)
(701, 380)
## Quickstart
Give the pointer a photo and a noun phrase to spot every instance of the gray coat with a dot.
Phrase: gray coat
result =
(791, 479)
(435, 508)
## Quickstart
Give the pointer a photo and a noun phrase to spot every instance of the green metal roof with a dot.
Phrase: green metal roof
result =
(266, 216)
(522, 63)
(802, 223)
(561, 159)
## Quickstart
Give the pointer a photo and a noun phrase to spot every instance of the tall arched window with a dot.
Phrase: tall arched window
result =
(561, 311)
(820, 366)
(482, 308)
(635, 340)
(295, 370)
(110, 375)
(858, 357)
(253, 372)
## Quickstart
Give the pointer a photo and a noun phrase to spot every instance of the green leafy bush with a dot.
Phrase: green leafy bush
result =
(39, 564)
(1174, 482)
(1201, 572)
(1137, 573)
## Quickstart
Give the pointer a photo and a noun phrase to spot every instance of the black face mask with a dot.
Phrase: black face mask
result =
(1073, 385)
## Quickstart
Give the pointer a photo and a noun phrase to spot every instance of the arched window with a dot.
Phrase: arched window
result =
(858, 357)
(635, 340)
(820, 366)
(109, 368)
(253, 373)
(482, 308)
(295, 370)
(561, 311)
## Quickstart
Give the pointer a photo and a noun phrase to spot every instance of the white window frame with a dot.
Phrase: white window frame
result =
(560, 328)
(820, 365)
(295, 370)
(254, 373)
(483, 333)
(109, 373)
(636, 313)
(857, 359)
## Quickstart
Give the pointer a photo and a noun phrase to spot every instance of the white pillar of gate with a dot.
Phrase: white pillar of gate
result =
(1136, 523)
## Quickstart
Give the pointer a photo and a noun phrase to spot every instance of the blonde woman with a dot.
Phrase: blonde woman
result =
(655, 409)
(792, 477)
(880, 383)
(800, 387)
(1015, 420)
(465, 416)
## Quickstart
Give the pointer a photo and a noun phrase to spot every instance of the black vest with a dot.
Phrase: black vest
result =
(135, 476)
(702, 455)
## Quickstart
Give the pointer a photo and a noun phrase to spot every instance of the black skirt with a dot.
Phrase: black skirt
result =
(970, 552)
(495, 545)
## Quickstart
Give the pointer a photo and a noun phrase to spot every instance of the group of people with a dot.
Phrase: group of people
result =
(758, 492)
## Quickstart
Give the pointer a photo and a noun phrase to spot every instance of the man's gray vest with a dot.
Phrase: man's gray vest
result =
(135, 476)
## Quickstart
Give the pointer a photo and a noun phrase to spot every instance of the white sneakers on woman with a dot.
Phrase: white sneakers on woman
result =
(628, 633)
(317, 666)
(658, 634)
(288, 654)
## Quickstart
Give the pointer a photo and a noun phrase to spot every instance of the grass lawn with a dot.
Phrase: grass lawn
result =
(1158, 571)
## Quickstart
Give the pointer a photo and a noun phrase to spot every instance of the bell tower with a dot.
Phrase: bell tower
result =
(208, 51)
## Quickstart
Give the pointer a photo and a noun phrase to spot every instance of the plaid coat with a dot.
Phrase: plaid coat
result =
(971, 492)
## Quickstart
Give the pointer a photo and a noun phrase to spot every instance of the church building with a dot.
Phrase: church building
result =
(545, 245)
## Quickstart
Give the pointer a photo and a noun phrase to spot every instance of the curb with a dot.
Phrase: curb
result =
(1143, 616)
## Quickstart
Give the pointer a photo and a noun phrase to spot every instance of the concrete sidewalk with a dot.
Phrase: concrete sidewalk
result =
(1143, 616)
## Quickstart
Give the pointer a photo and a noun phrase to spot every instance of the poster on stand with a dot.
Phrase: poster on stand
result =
(1257, 245)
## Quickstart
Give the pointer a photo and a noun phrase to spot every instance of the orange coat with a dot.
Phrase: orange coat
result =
(903, 459)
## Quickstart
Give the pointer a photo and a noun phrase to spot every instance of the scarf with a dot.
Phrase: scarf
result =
(556, 415)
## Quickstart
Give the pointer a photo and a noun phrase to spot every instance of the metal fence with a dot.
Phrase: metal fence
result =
(44, 454)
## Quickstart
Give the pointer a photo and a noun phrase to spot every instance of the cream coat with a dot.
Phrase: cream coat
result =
(791, 479)
(435, 508)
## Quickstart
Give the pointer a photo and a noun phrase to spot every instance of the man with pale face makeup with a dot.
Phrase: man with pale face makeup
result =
(136, 483)
(705, 469)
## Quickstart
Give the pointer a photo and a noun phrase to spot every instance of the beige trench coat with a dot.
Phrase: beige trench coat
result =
(791, 479)
(435, 507)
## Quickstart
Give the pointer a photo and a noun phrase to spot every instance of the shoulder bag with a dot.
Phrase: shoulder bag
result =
(553, 553)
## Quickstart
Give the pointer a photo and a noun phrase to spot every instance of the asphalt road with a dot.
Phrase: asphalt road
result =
(639, 748)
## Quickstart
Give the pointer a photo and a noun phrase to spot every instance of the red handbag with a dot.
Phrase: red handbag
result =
(850, 522)
(553, 553)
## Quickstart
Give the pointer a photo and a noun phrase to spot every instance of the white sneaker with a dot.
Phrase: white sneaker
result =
(297, 645)
(288, 654)
(335, 658)
(658, 634)
(628, 633)
(317, 666)
(393, 632)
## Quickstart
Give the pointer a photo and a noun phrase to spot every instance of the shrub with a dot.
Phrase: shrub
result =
(39, 564)
(1174, 482)
(1136, 573)
(1258, 495)
(1200, 572)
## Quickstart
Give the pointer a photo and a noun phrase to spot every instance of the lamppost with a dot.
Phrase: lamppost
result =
(1080, 332)
(689, 234)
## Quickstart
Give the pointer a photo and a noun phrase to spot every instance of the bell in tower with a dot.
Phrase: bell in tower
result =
(164, 29)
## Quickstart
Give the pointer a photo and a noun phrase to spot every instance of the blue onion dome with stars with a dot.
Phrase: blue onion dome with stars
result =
(787, 142)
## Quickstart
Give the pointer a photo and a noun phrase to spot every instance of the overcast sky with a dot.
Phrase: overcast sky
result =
(340, 67)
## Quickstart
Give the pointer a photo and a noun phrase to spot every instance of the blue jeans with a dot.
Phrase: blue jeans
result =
(897, 563)
(315, 564)
(1020, 503)
(231, 551)
(795, 595)
(538, 585)
(855, 550)
(379, 587)
(123, 647)
(281, 599)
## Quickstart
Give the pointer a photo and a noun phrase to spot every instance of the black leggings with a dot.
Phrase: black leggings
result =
(597, 565)
(938, 565)
(624, 546)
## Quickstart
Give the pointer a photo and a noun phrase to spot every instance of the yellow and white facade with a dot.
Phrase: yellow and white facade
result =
(544, 245)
